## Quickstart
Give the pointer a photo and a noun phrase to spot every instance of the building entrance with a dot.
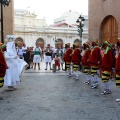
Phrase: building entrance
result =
(109, 29)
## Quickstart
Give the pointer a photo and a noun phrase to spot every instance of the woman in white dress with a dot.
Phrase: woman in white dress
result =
(15, 65)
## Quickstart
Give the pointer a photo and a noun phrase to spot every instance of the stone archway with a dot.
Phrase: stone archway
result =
(40, 42)
(59, 43)
(78, 41)
(19, 41)
(109, 29)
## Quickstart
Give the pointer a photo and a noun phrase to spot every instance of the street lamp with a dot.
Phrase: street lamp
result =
(80, 24)
(3, 3)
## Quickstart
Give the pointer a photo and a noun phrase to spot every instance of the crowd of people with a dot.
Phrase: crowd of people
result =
(34, 55)
(93, 60)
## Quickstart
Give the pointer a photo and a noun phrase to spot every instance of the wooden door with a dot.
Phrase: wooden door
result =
(110, 30)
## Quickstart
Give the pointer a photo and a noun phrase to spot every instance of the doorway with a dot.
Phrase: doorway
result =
(109, 29)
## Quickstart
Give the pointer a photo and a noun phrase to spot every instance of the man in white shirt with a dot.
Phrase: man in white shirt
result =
(48, 56)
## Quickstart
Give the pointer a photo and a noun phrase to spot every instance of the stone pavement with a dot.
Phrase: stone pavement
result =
(44, 95)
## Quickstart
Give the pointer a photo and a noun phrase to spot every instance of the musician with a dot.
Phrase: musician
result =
(48, 56)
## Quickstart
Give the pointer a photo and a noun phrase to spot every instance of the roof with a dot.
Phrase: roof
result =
(62, 24)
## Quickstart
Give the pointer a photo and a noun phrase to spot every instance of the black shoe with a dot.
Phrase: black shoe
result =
(46, 69)
(50, 68)
(1, 98)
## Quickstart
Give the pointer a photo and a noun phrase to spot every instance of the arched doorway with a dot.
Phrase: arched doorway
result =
(59, 43)
(19, 41)
(40, 42)
(78, 41)
(109, 29)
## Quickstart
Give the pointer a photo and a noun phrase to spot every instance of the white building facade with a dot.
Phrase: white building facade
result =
(30, 30)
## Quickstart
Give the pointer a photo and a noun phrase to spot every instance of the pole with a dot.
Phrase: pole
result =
(80, 32)
(2, 33)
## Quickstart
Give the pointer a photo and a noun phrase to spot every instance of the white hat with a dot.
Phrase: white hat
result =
(10, 38)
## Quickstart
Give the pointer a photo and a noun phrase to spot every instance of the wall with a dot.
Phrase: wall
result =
(98, 10)
(8, 20)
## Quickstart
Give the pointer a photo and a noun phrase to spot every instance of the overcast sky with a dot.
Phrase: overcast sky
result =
(51, 9)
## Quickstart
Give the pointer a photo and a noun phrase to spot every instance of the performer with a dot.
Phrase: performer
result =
(76, 59)
(85, 61)
(14, 63)
(107, 64)
(94, 62)
(36, 58)
(3, 65)
(117, 67)
(48, 56)
(67, 58)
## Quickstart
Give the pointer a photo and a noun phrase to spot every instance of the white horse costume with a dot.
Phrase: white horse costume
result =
(15, 65)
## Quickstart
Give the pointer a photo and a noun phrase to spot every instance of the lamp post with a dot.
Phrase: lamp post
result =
(80, 24)
(3, 3)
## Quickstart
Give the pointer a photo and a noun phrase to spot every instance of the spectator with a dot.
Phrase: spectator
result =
(31, 57)
(24, 51)
(57, 62)
(28, 57)
(20, 52)
(59, 53)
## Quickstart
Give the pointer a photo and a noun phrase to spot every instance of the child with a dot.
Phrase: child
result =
(57, 62)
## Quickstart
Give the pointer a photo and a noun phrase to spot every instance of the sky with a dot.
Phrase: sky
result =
(52, 9)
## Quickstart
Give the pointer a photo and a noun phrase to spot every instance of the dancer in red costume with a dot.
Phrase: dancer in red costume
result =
(76, 59)
(85, 61)
(107, 64)
(67, 58)
(117, 67)
(3, 65)
(95, 62)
